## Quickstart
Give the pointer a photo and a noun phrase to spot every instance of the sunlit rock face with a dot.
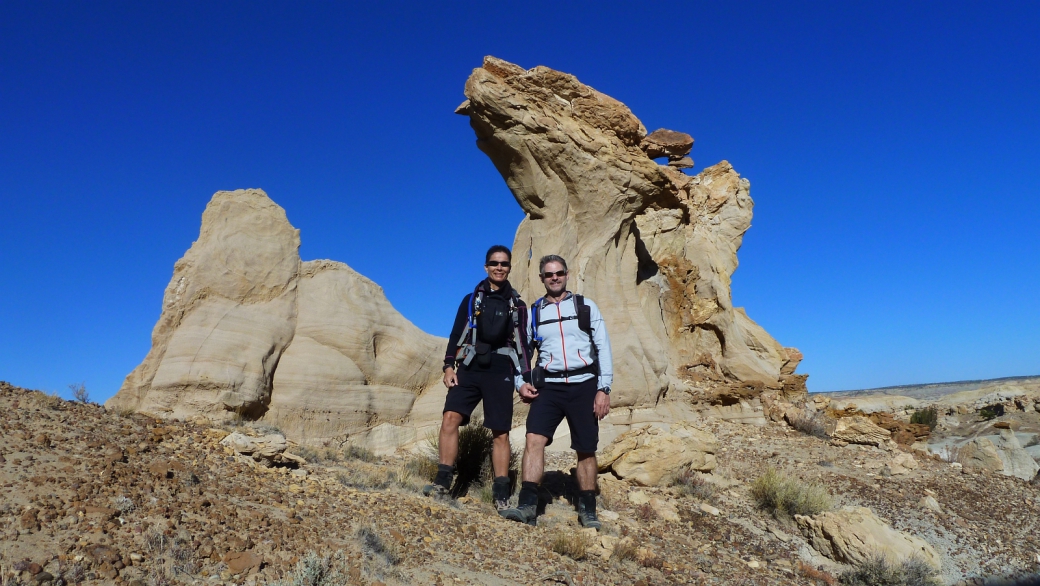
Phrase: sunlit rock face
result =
(249, 331)
(654, 247)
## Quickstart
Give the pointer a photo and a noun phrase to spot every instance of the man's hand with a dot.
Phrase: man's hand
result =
(602, 405)
(527, 392)
(450, 378)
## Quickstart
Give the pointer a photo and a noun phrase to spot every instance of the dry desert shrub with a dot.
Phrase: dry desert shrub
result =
(473, 463)
(817, 576)
(813, 424)
(574, 545)
(649, 559)
(624, 550)
(422, 466)
(645, 513)
(878, 571)
(318, 570)
(691, 483)
(79, 393)
(172, 556)
(784, 496)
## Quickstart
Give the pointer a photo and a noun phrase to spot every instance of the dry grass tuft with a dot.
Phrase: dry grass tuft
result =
(649, 559)
(366, 476)
(817, 576)
(877, 571)
(645, 512)
(691, 483)
(624, 550)
(571, 544)
(785, 496)
(813, 424)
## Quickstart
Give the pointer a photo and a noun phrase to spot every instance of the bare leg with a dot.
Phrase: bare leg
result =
(586, 471)
(534, 457)
(500, 453)
(448, 444)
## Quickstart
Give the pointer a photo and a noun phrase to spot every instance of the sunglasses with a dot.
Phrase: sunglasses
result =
(495, 263)
(556, 274)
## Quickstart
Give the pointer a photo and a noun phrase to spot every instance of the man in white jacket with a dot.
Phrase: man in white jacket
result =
(572, 380)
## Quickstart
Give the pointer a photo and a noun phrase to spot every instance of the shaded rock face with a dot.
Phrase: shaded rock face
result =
(653, 247)
(247, 328)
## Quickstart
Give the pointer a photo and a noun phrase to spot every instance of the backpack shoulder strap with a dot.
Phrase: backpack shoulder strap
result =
(584, 313)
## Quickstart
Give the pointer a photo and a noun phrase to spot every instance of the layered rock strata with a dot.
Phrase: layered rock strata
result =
(654, 247)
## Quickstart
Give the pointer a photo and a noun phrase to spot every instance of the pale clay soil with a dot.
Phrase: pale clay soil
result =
(116, 498)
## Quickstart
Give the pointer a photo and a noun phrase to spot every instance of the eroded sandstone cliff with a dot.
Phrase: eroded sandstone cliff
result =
(654, 247)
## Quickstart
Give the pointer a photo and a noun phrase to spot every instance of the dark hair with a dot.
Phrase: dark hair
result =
(497, 248)
(548, 259)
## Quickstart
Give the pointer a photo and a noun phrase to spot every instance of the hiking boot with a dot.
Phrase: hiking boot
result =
(501, 504)
(587, 518)
(526, 514)
(436, 491)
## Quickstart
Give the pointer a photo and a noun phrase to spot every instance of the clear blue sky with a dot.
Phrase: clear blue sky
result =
(893, 151)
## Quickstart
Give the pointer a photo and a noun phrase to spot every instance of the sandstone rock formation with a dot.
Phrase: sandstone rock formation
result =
(860, 430)
(653, 247)
(1003, 454)
(227, 315)
(855, 534)
(314, 348)
(648, 455)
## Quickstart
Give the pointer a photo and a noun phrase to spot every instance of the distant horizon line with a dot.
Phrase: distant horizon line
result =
(920, 385)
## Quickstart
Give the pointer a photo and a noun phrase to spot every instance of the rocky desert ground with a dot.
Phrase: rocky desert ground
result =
(96, 496)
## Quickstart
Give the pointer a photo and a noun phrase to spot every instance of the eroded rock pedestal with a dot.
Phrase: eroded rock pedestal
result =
(655, 248)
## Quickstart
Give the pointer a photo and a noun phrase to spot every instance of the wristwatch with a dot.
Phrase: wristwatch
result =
(605, 391)
(447, 366)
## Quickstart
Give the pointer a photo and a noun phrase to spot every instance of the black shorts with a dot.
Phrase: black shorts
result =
(572, 401)
(493, 385)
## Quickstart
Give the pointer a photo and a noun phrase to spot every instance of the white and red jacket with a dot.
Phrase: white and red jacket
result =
(565, 348)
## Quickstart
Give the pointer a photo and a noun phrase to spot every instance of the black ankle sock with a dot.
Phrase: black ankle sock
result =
(500, 487)
(528, 494)
(587, 499)
(444, 474)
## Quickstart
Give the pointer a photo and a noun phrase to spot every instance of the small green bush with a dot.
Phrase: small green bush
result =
(927, 416)
(784, 496)
(878, 571)
(991, 412)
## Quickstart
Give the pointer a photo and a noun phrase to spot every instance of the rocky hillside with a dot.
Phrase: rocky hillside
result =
(96, 496)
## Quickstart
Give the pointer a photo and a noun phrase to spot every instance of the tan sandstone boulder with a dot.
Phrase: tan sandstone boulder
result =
(854, 534)
(860, 430)
(980, 454)
(648, 455)
(655, 248)
(1004, 454)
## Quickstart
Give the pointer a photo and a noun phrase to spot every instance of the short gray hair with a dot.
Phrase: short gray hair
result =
(548, 259)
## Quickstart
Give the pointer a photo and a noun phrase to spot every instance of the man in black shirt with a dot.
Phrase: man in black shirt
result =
(486, 358)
